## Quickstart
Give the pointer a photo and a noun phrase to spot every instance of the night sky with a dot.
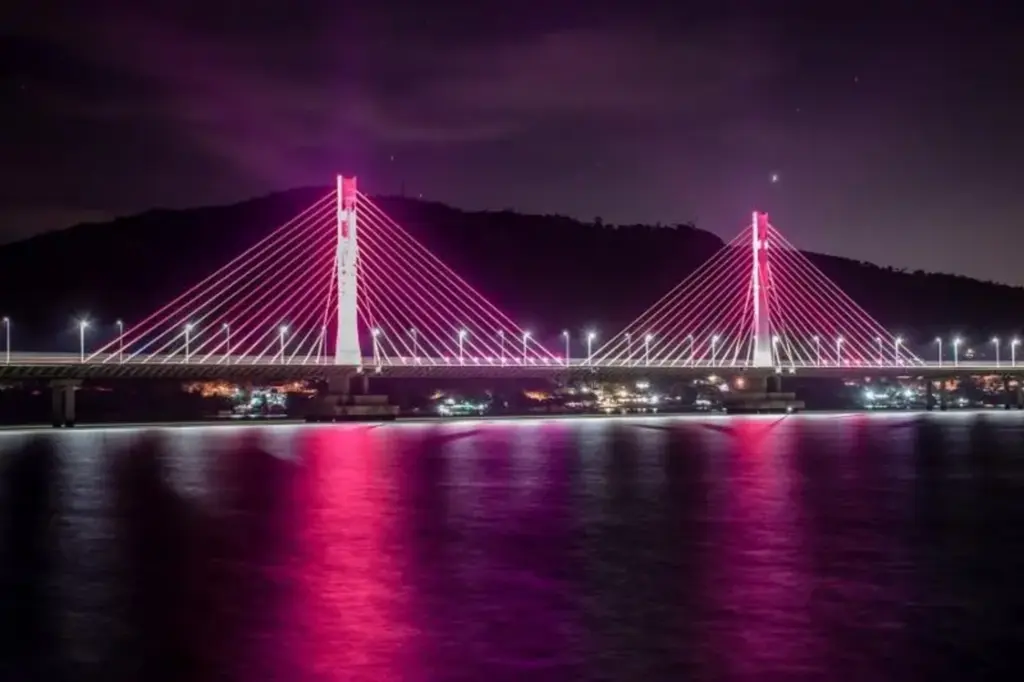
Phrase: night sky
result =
(892, 136)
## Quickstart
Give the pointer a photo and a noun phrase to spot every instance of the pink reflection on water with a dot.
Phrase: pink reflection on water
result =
(354, 604)
(761, 586)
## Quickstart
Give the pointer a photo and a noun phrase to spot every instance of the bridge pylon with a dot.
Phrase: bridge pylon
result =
(346, 349)
(763, 355)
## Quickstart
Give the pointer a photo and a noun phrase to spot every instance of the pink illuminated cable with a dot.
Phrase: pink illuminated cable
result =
(669, 300)
(199, 315)
(443, 272)
(416, 306)
(301, 309)
(813, 273)
(215, 279)
(277, 306)
(864, 329)
(480, 337)
(690, 312)
(472, 318)
(173, 323)
(665, 322)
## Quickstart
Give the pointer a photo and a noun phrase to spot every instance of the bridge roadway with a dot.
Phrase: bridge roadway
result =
(56, 366)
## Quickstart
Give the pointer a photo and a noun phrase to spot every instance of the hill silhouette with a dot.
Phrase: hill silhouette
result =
(550, 272)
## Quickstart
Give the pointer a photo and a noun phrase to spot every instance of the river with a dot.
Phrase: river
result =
(810, 547)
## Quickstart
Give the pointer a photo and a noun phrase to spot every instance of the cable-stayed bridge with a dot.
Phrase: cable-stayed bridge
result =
(342, 287)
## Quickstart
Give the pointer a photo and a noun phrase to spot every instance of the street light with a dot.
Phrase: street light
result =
(282, 331)
(714, 342)
(629, 348)
(590, 347)
(881, 353)
(693, 350)
(120, 341)
(7, 339)
(896, 348)
(956, 350)
(995, 342)
(415, 346)
(501, 346)
(839, 351)
(82, 326)
(647, 348)
(565, 335)
(817, 347)
(526, 340)
(188, 332)
(227, 339)
(375, 334)
(323, 345)
(1013, 352)
(938, 342)
(462, 341)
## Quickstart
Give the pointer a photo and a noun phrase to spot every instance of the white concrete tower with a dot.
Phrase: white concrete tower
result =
(763, 351)
(346, 349)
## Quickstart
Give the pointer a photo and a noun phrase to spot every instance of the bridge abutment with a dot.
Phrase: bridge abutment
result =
(62, 411)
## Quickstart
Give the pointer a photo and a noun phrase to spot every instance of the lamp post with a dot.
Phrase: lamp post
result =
(995, 342)
(82, 326)
(565, 335)
(462, 342)
(817, 348)
(188, 332)
(526, 341)
(775, 351)
(323, 345)
(415, 346)
(1013, 352)
(282, 331)
(693, 350)
(227, 339)
(839, 351)
(714, 343)
(956, 351)
(120, 341)
(881, 353)
(501, 346)
(647, 348)
(375, 335)
(590, 347)
(938, 342)
(896, 349)
(7, 339)
(629, 348)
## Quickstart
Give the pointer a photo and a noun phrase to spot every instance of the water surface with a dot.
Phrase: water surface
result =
(839, 547)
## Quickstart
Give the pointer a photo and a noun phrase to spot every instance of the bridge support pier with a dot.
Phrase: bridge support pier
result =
(63, 405)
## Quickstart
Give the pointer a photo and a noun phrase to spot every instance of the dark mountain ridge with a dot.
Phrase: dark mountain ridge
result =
(550, 272)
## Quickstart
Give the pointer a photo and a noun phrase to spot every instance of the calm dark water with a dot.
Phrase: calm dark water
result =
(804, 548)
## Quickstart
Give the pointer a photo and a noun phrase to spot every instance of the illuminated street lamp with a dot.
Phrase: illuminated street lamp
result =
(896, 348)
(1013, 352)
(995, 342)
(956, 351)
(647, 348)
(227, 339)
(526, 340)
(714, 342)
(82, 326)
(629, 348)
(817, 348)
(839, 351)
(881, 353)
(323, 345)
(415, 345)
(590, 346)
(120, 341)
(462, 342)
(501, 345)
(565, 335)
(693, 350)
(7, 339)
(938, 342)
(375, 337)
(188, 332)
(282, 331)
